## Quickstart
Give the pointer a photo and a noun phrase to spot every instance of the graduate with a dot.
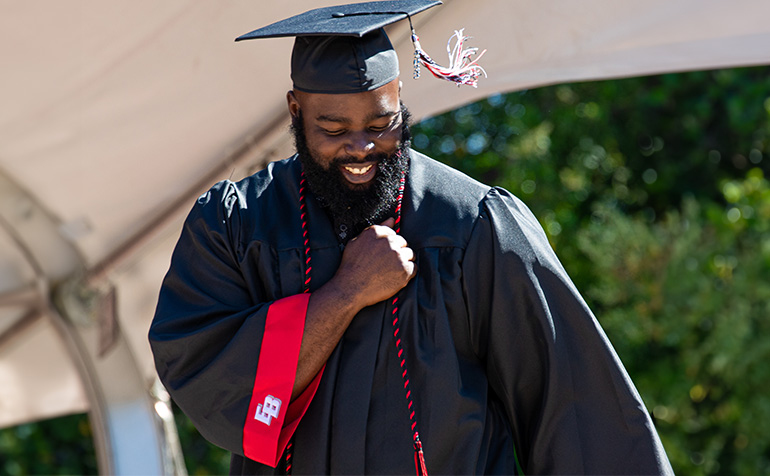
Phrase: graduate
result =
(360, 308)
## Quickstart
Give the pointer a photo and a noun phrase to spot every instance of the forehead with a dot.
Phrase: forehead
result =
(354, 106)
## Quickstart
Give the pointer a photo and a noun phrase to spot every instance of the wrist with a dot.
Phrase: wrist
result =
(344, 297)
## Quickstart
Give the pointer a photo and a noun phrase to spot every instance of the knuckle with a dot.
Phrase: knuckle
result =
(397, 241)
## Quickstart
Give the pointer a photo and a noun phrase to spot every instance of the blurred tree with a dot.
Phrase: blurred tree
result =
(686, 302)
(200, 456)
(653, 192)
(57, 446)
(642, 143)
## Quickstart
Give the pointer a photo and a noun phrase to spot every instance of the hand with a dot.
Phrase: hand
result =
(375, 265)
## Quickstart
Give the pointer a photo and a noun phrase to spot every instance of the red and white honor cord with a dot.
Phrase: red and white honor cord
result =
(419, 456)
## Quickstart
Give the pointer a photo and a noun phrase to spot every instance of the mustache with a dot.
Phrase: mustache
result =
(378, 157)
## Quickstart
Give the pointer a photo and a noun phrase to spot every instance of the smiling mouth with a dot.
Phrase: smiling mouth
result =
(360, 173)
(358, 170)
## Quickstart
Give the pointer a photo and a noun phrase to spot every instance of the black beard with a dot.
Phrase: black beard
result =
(356, 206)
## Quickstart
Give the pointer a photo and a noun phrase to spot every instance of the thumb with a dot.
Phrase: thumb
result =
(389, 222)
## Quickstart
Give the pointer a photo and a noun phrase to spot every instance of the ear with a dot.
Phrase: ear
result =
(293, 104)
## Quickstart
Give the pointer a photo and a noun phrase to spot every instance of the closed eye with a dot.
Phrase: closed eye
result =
(385, 127)
(333, 132)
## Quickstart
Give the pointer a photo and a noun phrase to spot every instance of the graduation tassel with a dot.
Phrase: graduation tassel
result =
(461, 69)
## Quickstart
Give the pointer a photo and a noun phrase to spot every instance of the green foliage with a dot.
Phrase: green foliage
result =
(686, 301)
(58, 446)
(200, 457)
(654, 193)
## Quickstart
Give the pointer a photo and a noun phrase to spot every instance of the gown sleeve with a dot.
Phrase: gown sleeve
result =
(226, 355)
(570, 403)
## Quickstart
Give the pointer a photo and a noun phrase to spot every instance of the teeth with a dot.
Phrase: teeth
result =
(358, 170)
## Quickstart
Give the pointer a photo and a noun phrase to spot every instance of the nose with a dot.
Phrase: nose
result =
(360, 145)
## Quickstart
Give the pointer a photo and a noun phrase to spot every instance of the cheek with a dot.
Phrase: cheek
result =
(389, 141)
(323, 149)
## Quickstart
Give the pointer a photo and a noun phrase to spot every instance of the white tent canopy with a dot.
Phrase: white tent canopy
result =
(115, 115)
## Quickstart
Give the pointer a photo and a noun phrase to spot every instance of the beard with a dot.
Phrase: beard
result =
(358, 206)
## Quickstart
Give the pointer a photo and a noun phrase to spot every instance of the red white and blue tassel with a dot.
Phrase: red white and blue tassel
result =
(461, 70)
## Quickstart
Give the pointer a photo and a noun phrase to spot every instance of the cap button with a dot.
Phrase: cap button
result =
(338, 15)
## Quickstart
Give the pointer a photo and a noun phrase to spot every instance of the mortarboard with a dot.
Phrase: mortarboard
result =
(344, 49)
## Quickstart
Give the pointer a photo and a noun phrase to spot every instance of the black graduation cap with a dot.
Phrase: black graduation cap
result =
(344, 49)
(356, 19)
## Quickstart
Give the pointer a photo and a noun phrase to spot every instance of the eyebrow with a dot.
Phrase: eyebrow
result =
(345, 120)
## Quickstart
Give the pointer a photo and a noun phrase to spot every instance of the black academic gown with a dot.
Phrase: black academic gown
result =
(505, 359)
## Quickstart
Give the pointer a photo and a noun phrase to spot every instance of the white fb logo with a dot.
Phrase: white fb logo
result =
(268, 410)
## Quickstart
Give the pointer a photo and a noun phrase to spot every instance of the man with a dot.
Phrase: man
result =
(360, 308)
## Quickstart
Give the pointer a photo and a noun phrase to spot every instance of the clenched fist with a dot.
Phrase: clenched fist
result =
(376, 264)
